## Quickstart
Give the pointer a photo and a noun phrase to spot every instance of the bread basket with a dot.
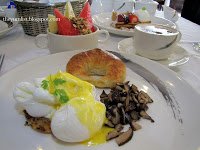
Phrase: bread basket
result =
(33, 14)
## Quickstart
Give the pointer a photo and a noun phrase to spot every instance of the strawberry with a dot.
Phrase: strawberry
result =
(133, 18)
(86, 14)
(65, 26)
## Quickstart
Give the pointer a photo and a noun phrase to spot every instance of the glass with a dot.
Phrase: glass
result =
(123, 5)
(196, 46)
(96, 7)
(103, 6)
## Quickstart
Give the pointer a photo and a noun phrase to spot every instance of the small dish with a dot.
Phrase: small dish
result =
(178, 57)
(103, 21)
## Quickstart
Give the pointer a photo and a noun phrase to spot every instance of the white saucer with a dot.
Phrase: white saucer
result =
(178, 57)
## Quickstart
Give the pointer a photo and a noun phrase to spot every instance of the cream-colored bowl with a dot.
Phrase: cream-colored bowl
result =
(59, 43)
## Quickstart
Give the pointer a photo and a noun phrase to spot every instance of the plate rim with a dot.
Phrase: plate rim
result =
(170, 77)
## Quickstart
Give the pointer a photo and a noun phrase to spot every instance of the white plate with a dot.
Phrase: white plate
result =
(11, 25)
(178, 57)
(167, 133)
(103, 21)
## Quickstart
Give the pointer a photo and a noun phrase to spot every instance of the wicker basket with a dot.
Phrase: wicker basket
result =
(33, 16)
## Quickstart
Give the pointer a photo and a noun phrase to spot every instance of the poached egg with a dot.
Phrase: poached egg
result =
(69, 103)
(78, 120)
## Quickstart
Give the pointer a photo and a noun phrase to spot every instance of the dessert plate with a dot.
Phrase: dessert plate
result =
(178, 57)
(104, 21)
(175, 112)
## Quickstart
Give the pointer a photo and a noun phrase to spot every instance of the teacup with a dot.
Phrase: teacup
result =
(59, 43)
(150, 6)
(155, 41)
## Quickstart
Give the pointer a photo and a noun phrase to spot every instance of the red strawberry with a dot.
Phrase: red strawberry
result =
(86, 14)
(65, 26)
(133, 18)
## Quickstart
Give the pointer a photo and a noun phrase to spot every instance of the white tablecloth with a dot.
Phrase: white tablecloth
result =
(20, 48)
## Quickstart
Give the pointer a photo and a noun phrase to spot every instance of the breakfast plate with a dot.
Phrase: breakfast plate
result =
(178, 57)
(175, 111)
(103, 21)
(5, 26)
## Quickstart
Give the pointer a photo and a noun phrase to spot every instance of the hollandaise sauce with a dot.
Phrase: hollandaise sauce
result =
(92, 115)
(99, 137)
(65, 86)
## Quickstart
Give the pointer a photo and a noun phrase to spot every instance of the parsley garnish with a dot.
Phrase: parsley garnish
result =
(143, 8)
(58, 81)
(61, 95)
(45, 84)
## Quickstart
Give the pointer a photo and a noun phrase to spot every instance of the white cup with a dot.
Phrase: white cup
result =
(59, 43)
(150, 5)
(155, 41)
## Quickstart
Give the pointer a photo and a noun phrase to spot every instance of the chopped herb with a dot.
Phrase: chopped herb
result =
(58, 81)
(61, 95)
(45, 84)
(143, 8)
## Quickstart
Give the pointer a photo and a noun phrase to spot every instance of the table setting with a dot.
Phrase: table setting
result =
(98, 75)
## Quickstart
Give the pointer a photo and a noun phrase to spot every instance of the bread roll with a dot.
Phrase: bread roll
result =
(98, 67)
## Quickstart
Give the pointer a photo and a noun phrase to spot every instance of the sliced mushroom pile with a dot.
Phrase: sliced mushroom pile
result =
(125, 104)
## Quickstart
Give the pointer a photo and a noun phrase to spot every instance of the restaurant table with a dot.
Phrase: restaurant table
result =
(20, 48)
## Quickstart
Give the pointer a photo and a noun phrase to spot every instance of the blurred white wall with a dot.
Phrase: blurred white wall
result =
(167, 2)
(4, 2)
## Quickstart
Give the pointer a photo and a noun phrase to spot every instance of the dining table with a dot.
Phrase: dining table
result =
(20, 48)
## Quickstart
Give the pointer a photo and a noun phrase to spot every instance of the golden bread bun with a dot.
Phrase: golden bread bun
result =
(100, 68)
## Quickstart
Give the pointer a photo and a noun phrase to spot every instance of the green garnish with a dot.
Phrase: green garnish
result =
(45, 84)
(58, 81)
(143, 8)
(61, 95)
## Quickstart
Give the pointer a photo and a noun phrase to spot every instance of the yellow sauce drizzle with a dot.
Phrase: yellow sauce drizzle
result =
(98, 138)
